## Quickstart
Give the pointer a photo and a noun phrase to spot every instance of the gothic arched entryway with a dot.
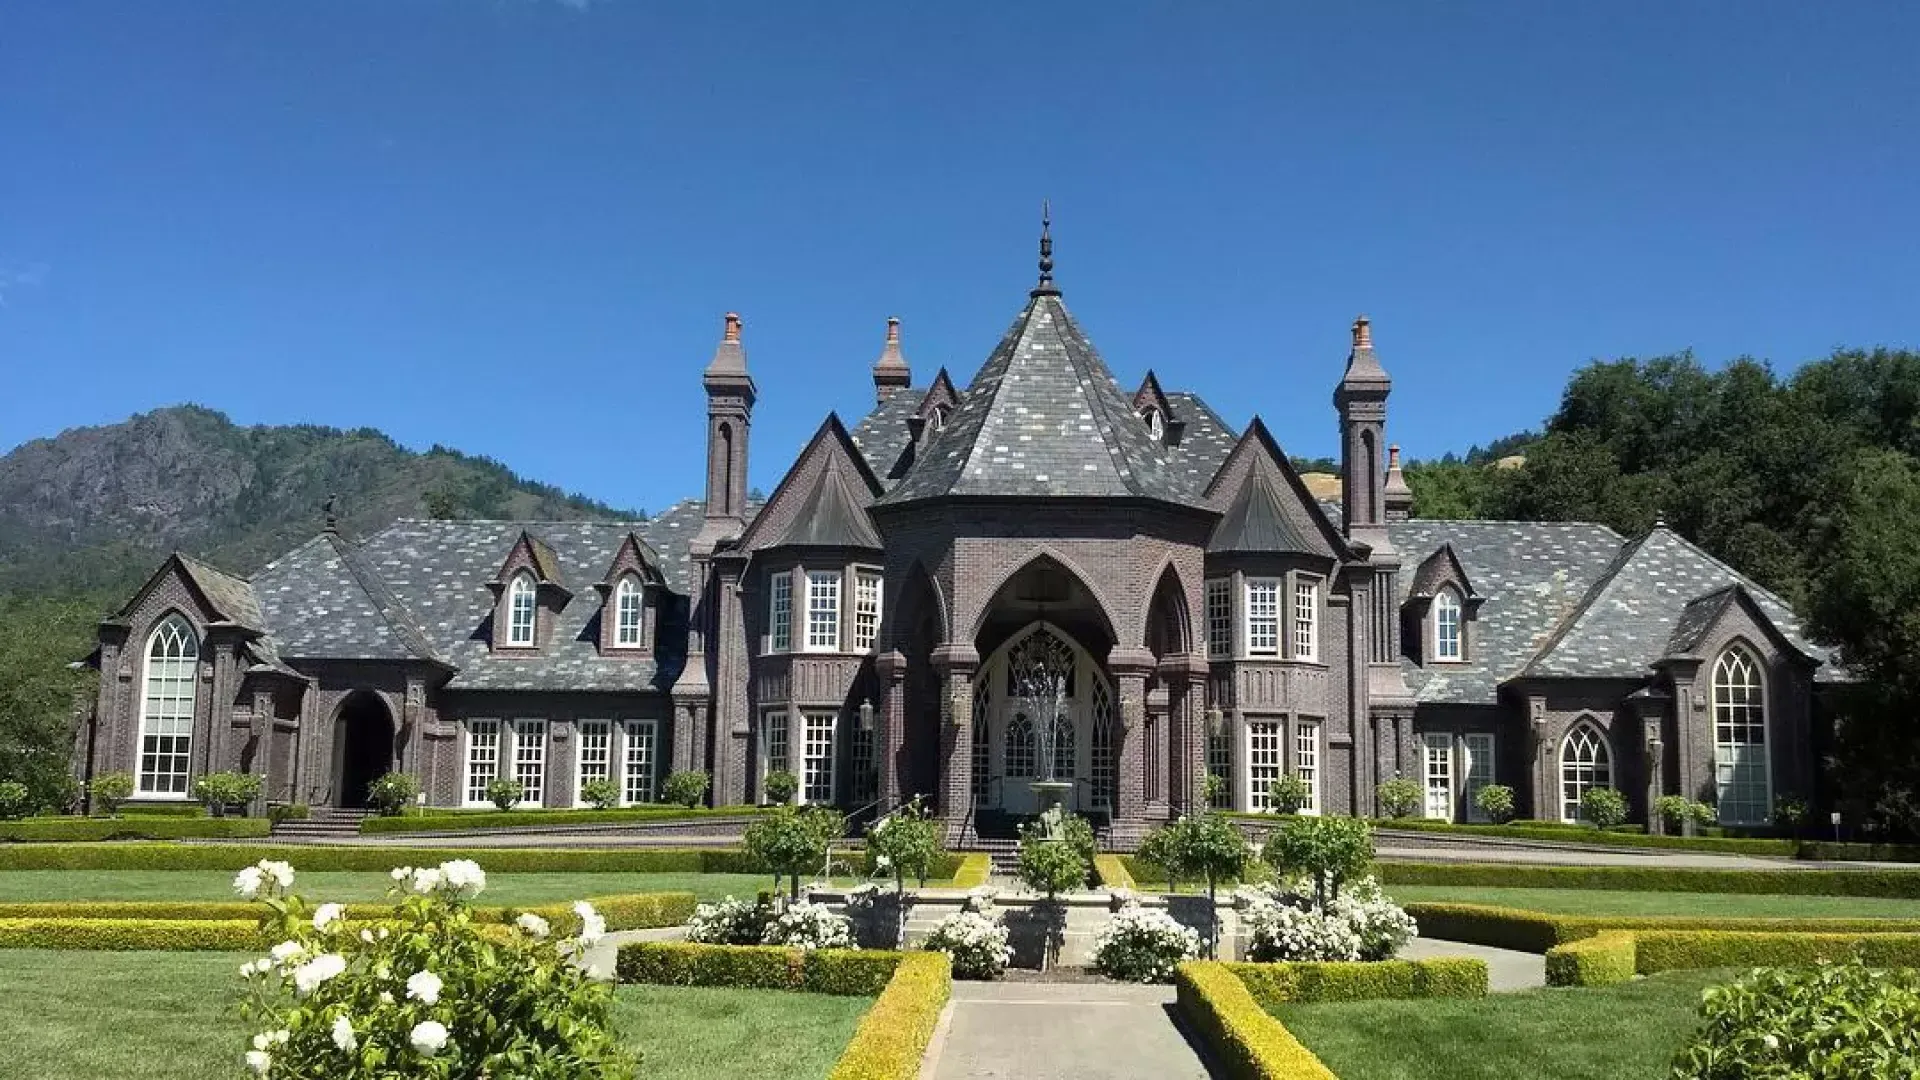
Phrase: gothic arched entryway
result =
(363, 736)
(1009, 749)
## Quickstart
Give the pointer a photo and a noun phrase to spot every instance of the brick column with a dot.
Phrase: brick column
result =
(890, 742)
(1130, 668)
(956, 665)
(1185, 676)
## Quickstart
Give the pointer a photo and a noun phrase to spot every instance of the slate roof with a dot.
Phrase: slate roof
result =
(1533, 575)
(882, 435)
(1204, 443)
(1042, 417)
(1642, 603)
(232, 598)
(323, 602)
(1257, 520)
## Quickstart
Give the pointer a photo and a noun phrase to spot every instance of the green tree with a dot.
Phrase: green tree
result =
(794, 841)
(1326, 850)
(1209, 847)
(40, 636)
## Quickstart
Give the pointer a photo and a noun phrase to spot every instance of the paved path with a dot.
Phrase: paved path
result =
(602, 957)
(1506, 969)
(1490, 853)
(1060, 1031)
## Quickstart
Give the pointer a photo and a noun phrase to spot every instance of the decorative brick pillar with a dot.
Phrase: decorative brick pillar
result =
(891, 739)
(1185, 678)
(1130, 668)
(956, 665)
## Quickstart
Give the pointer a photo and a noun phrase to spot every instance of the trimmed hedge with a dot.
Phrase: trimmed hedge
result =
(451, 820)
(308, 857)
(1247, 1042)
(892, 1038)
(849, 972)
(971, 870)
(1537, 931)
(132, 827)
(627, 911)
(162, 809)
(630, 911)
(1601, 960)
(1111, 871)
(1273, 985)
(1587, 834)
(1894, 884)
(1828, 851)
(120, 935)
(1668, 950)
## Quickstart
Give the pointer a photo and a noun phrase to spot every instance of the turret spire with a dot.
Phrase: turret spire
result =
(1046, 287)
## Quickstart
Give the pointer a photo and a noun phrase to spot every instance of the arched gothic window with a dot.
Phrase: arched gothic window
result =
(520, 605)
(166, 709)
(1064, 750)
(629, 611)
(1585, 763)
(1020, 757)
(937, 420)
(1742, 777)
(1448, 642)
(1156, 424)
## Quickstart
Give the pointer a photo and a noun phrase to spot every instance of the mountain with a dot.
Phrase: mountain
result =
(94, 509)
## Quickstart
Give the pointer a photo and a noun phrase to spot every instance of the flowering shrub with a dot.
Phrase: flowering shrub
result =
(1495, 801)
(1383, 927)
(905, 843)
(976, 943)
(504, 792)
(1831, 1022)
(1143, 945)
(425, 993)
(807, 925)
(601, 794)
(1284, 923)
(1399, 797)
(1604, 807)
(729, 922)
(393, 793)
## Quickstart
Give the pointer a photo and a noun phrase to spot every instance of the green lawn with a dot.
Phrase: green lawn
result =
(1624, 1032)
(172, 1016)
(1620, 902)
(23, 885)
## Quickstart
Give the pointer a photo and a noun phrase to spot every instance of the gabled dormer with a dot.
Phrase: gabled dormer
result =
(936, 405)
(1442, 609)
(528, 596)
(632, 595)
(1151, 406)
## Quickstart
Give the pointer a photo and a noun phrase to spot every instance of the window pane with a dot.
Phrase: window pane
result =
(530, 760)
(167, 708)
(1219, 618)
(1101, 761)
(1439, 773)
(1020, 756)
(595, 755)
(1446, 627)
(483, 758)
(520, 604)
(823, 610)
(780, 618)
(1306, 761)
(1263, 617)
(1740, 740)
(632, 602)
(1479, 771)
(1263, 762)
(638, 770)
(1220, 764)
(1584, 764)
(817, 776)
(1306, 619)
(866, 610)
(773, 735)
(982, 738)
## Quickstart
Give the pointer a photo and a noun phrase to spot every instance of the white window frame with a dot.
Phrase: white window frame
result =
(1449, 628)
(1220, 764)
(1263, 610)
(1219, 618)
(639, 761)
(530, 760)
(1306, 760)
(169, 700)
(1436, 763)
(629, 613)
(823, 610)
(1741, 708)
(1266, 743)
(1156, 424)
(819, 752)
(1020, 748)
(775, 735)
(780, 612)
(473, 783)
(592, 755)
(522, 600)
(867, 585)
(1596, 770)
(1482, 751)
(1303, 622)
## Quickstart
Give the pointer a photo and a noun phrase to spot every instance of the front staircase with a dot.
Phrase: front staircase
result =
(327, 824)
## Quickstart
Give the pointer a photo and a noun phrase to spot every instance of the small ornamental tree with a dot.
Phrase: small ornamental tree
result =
(1051, 867)
(16, 801)
(1158, 849)
(601, 793)
(905, 842)
(1213, 789)
(111, 789)
(1326, 850)
(687, 788)
(1210, 848)
(1603, 807)
(393, 793)
(1288, 794)
(1495, 801)
(780, 786)
(792, 842)
(1399, 797)
(505, 792)
(219, 790)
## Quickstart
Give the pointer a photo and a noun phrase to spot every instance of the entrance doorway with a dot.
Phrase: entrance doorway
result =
(1011, 746)
(362, 747)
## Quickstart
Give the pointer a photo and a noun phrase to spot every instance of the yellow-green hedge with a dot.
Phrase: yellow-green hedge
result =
(1111, 871)
(133, 827)
(893, 1036)
(1537, 931)
(972, 870)
(1601, 960)
(627, 911)
(850, 972)
(1273, 985)
(313, 857)
(449, 820)
(1240, 1035)
(1668, 950)
(1897, 884)
(632, 911)
(120, 935)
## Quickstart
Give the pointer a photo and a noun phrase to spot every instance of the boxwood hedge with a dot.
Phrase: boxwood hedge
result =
(448, 820)
(131, 827)
(1273, 985)
(761, 967)
(1536, 931)
(1897, 884)
(892, 1038)
(1243, 1038)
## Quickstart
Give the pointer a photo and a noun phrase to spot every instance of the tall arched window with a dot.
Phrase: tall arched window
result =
(629, 608)
(1064, 750)
(520, 604)
(1447, 641)
(166, 709)
(1156, 424)
(1742, 776)
(1585, 763)
(938, 418)
(1019, 758)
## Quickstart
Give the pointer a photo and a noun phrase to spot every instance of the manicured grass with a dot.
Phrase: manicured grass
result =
(25, 885)
(1620, 902)
(173, 1016)
(1624, 1032)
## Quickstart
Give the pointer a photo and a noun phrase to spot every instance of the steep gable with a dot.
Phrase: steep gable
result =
(823, 499)
(1264, 505)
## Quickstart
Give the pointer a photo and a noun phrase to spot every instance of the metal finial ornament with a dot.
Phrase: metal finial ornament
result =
(333, 522)
(1046, 249)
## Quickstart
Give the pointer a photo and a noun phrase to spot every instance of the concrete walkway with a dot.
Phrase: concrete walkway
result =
(1060, 1031)
(1507, 970)
(600, 959)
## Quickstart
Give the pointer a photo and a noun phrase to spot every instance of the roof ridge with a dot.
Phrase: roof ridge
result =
(1572, 618)
(384, 600)
(1739, 578)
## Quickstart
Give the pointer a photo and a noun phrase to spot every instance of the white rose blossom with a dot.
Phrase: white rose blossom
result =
(400, 873)
(462, 878)
(280, 872)
(592, 926)
(247, 882)
(533, 924)
(308, 976)
(286, 951)
(327, 914)
(259, 1061)
(343, 1036)
(427, 1037)
(424, 986)
(425, 879)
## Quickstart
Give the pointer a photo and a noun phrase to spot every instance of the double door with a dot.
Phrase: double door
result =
(1456, 767)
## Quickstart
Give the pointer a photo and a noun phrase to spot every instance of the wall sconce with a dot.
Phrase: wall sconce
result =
(1216, 723)
(866, 716)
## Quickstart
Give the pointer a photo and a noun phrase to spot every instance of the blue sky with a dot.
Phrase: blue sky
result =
(511, 226)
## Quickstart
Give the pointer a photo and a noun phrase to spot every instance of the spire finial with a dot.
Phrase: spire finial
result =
(1045, 288)
(733, 327)
(327, 508)
(1362, 333)
(1393, 457)
(893, 329)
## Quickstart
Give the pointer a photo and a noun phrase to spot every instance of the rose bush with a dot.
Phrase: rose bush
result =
(424, 993)
(728, 922)
(1284, 922)
(976, 943)
(804, 924)
(1143, 945)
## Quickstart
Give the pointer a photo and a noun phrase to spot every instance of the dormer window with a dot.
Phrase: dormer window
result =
(937, 419)
(629, 611)
(520, 610)
(1448, 643)
(1156, 423)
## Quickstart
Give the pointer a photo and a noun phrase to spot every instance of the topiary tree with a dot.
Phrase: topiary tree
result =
(1603, 807)
(1211, 848)
(1326, 850)
(1158, 849)
(791, 842)
(687, 788)
(16, 801)
(908, 840)
(505, 793)
(780, 786)
(1399, 797)
(220, 790)
(1051, 867)
(393, 793)
(1288, 794)
(1495, 801)
(112, 789)
(601, 793)
(1672, 811)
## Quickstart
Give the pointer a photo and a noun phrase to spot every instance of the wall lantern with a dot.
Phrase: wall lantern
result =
(1216, 723)
(866, 717)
